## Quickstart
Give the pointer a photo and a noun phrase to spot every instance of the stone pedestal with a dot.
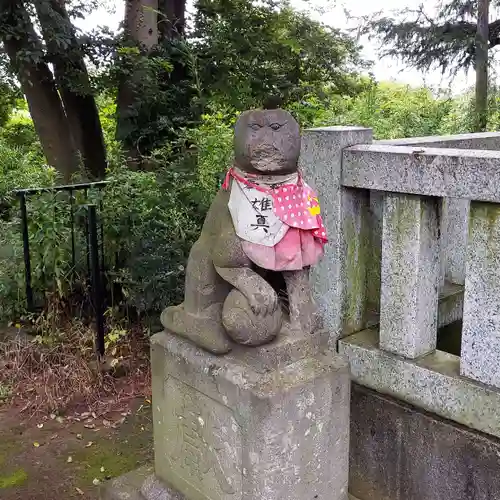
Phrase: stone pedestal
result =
(269, 423)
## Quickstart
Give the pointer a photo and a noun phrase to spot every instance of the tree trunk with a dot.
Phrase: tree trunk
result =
(481, 114)
(74, 85)
(172, 19)
(141, 30)
(22, 47)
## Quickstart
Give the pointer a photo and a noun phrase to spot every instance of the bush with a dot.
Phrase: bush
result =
(395, 111)
(211, 143)
(151, 221)
(19, 132)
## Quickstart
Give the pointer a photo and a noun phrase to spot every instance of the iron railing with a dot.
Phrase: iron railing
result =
(94, 250)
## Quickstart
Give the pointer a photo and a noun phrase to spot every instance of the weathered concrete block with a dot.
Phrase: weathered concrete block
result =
(446, 173)
(142, 484)
(375, 261)
(399, 452)
(451, 304)
(481, 323)
(477, 140)
(340, 278)
(432, 382)
(410, 275)
(244, 427)
(126, 487)
(454, 236)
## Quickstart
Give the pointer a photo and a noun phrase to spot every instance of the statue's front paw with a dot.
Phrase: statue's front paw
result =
(308, 319)
(263, 303)
(244, 326)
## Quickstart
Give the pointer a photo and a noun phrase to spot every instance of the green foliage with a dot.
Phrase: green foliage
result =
(20, 132)
(156, 95)
(151, 221)
(394, 111)
(21, 169)
(8, 97)
(106, 104)
(212, 143)
(236, 54)
(461, 117)
(249, 50)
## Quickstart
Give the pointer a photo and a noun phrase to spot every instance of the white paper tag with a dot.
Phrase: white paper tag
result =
(253, 215)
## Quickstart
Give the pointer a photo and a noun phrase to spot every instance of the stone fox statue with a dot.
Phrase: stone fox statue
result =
(264, 218)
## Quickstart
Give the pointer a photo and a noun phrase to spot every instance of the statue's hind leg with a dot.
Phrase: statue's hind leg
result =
(199, 317)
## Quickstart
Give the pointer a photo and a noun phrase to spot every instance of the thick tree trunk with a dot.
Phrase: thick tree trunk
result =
(172, 19)
(22, 46)
(74, 85)
(481, 114)
(141, 30)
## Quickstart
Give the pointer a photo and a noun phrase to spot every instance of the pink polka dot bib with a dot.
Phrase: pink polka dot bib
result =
(277, 218)
(298, 206)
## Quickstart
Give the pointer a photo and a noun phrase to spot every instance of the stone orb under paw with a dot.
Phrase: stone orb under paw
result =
(243, 326)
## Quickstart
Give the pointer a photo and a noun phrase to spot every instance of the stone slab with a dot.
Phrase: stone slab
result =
(235, 428)
(375, 260)
(450, 308)
(399, 452)
(410, 275)
(451, 304)
(141, 484)
(126, 487)
(452, 173)
(481, 323)
(432, 383)
(454, 237)
(478, 140)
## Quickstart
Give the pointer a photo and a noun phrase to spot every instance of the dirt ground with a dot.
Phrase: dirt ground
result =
(56, 457)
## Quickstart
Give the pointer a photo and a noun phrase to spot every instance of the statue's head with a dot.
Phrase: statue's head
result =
(267, 142)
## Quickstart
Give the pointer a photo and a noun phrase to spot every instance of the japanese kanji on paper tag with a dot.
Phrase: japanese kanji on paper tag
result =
(253, 215)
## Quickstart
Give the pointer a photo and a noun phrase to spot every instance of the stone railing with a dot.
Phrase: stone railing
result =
(403, 218)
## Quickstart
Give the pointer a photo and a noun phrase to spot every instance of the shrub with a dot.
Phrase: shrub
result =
(211, 144)
(151, 221)
(19, 132)
(395, 111)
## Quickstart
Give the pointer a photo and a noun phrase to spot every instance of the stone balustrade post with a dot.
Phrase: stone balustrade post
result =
(410, 275)
(480, 356)
(340, 279)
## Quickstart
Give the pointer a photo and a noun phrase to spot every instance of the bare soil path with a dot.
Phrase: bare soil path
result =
(52, 458)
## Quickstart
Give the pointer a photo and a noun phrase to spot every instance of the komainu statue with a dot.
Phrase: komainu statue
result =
(248, 273)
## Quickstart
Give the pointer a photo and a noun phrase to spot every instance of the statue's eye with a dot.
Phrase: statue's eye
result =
(255, 126)
(275, 126)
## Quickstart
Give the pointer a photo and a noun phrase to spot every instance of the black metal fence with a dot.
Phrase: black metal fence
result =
(94, 238)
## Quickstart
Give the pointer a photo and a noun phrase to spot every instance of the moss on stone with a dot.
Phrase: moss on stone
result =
(356, 269)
